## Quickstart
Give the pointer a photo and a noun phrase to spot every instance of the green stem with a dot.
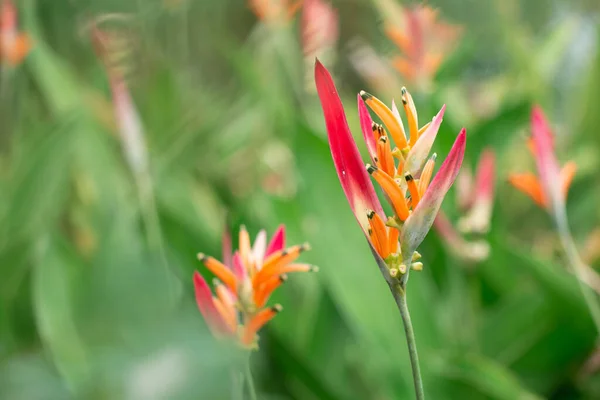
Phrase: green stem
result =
(237, 387)
(578, 268)
(248, 376)
(400, 297)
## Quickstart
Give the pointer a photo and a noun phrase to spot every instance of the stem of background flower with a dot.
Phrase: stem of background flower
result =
(248, 376)
(237, 387)
(400, 297)
(578, 267)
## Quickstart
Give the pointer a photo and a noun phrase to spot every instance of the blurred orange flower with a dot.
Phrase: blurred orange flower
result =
(423, 40)
(14, 46)
(244, 282)
(275, 10)
(551, 188)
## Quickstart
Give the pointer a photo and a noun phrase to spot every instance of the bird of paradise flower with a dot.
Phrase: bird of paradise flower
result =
(414, 196)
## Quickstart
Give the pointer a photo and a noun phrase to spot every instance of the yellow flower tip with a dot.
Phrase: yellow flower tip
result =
(202, 257)
(304, 247)
(408, 177)
(394, 272)
(313, 268)
(383, 139)
(403, 91)
(277, 308)
(283, 278)
(370, 214)
(417, 266)
(365, 96)
(416, 256)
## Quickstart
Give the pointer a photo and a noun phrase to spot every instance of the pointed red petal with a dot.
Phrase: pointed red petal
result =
(545, 158)
(480, 214)
(419, 222)
(350, 169)
(366, 125)
(206, 306)
(238, 267)
(277, 241)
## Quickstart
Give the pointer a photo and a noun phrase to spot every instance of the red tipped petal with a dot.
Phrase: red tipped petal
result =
(419, 222)
(349, 166)
(238, 267)
(366, 125)
(418, 154)
(277, 241)
(478, 218)
(206, 306)
(545, 158)
(484, 191)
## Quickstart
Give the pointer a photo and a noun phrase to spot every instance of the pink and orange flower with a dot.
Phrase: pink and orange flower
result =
(404, 173)
(550, 187)
(275, 11)
(423, 40)
(244, 282)
(14, 46)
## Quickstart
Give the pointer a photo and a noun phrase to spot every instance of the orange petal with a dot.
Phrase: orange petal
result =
(285, 269)
(384, 154)
(380, 232)
(266, 289)
(19, 50)
(427, 174)
(411, 115)
(413, 189)
(387, 117)
(393, 191)
(274, 262)
(567, 173)
(529, 184)
(257, 322)
(223, 310)
(220, 271)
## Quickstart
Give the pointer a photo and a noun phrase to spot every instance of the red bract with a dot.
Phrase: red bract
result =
(406, 185)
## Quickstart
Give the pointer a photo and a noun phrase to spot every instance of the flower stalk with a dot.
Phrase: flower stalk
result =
(400, 297)
(401, 166)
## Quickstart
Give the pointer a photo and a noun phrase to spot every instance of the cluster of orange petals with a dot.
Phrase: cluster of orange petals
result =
(244, 283)
(423, 40)
(14, 46)
(275, 10)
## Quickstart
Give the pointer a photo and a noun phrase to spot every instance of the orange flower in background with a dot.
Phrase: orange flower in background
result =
(14, 46)
(423, 40)
(550, 189)
(244, 282)
(275, 10)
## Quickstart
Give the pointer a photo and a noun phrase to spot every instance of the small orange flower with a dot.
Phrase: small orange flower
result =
(244, 282)
(551, 178)
(423, 40)
(270, 11)
(14, 46)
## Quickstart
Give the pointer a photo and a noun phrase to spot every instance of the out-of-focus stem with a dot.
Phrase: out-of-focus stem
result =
(400, 296)
(578, 267)
(248, 375)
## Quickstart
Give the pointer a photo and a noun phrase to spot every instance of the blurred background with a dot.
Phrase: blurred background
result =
(100, 229)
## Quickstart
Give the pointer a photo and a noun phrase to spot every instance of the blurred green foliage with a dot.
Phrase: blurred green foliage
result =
(96, 298)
